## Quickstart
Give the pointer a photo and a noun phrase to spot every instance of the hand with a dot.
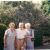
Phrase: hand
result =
(29, 37)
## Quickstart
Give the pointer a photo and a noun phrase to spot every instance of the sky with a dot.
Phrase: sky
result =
(37, 1)
(34, 1)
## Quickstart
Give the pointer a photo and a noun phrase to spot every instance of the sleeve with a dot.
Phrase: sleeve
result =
(5, 35)
(32, 33)
(6, 32)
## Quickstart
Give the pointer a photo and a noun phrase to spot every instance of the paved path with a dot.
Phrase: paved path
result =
(46, 47)
(42, 49)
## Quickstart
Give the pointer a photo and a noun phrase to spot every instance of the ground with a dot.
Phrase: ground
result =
(45, 47)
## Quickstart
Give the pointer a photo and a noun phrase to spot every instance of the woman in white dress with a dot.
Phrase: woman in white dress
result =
(30, 37)
(9, 37)
(20, 37)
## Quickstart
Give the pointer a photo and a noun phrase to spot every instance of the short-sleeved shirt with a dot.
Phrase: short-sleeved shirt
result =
(20, 33)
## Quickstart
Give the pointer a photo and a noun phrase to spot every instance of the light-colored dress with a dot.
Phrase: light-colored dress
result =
(30, 44)
(10, 40)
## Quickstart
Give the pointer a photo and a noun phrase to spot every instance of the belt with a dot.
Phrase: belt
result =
(21, 39)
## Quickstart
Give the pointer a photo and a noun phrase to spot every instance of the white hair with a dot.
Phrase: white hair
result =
(27, 24)
(21, 23)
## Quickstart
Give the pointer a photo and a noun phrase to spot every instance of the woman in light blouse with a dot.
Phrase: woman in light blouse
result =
(30, 37)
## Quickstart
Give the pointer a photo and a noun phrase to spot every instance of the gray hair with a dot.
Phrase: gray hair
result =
(27, 24)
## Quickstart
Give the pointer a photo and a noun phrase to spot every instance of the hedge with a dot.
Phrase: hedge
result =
(38, 38)
(3, 27)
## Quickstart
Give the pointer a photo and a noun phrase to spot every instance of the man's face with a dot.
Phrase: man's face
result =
(21, 26)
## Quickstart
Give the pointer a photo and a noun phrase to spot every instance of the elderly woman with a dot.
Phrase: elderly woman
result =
(30, 37)
(9, 37)
(20, 37)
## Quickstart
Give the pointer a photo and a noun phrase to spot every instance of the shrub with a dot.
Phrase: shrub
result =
(38, 38)
(2, 30)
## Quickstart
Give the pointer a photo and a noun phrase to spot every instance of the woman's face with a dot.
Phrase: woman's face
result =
(27, 27)
(12, 26)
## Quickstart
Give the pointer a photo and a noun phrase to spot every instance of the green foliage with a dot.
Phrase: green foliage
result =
(38, 37)
(20, 11)
(46, 7)
(26, 12)
(3, 27)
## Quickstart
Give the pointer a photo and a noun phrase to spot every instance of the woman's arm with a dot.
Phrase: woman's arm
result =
(5, 42)
(32, 39)
(5, 38)
(32, 33)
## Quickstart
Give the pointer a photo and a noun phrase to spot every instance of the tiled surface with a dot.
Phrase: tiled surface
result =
(42, 49)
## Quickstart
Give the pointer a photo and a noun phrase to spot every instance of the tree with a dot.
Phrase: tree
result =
(46, 10)
(20, 11)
